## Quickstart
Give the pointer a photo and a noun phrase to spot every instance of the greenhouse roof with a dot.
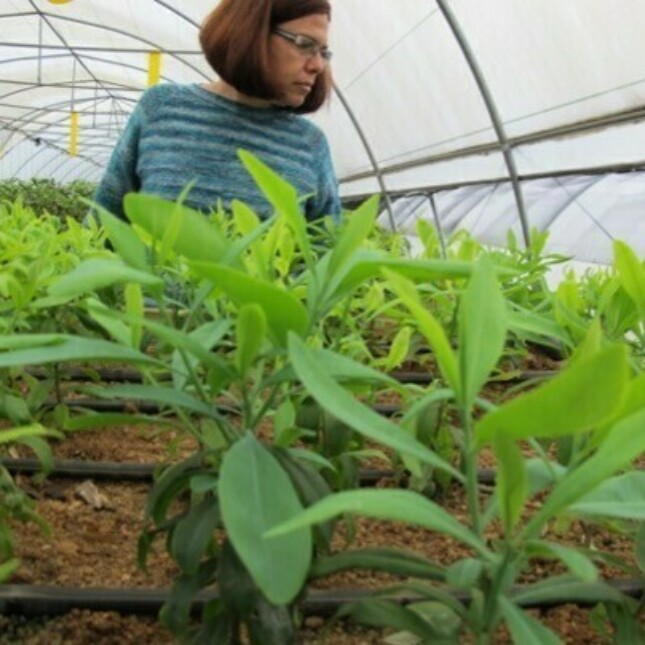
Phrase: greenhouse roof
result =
(430, 94)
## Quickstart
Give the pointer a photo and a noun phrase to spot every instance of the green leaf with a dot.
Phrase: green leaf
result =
(104, 316)
(193, 534)
(171, 483)
(577, 400)
(176, 612)
(21, 433)
(345, 407)
(71, 349)
(357, 229)
(621, 497)
(134, 310)
(524, 628)
(8, 567)
(386, 613)
(565, 589)
(97, 273)
(198, 343)
(283, 311)
(282, 196)
(624, 443)
(28, 341)
(394, 505)
(155, 394)
(250, 242)
(429, 326)
(89, 420)
(577, 563)
(482, 329)
(442, 617)
(631, 273)
(511, 483)
(399, 563)
(197, 238)
(465, 573)
(528, 321)
(345, 370)
(633, 401)
(310, 486)
(366, 264)
(125, 241)
(255, 495)
(399, 349)
(41, 449)
(251, 329)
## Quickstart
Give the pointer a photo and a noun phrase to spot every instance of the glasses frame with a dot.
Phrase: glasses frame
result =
(306, 45)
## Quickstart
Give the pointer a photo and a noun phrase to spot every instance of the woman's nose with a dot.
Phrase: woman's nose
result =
(316, 63)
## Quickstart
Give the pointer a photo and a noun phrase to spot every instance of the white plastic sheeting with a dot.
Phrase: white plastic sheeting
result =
(567, 80)
(582, 214)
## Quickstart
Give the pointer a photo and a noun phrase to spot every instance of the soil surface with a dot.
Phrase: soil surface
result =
(94, 544)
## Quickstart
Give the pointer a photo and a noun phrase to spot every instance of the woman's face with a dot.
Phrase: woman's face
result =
(296, 57)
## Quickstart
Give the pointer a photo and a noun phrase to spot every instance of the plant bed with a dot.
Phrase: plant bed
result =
(97, 548)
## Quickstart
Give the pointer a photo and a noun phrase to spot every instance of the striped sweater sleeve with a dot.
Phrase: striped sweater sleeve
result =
(120, 176)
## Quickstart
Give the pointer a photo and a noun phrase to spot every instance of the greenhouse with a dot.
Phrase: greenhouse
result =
(342, 344)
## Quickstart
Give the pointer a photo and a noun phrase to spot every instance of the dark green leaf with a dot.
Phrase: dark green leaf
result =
(400, 563)
(193, 534)
(256, 495)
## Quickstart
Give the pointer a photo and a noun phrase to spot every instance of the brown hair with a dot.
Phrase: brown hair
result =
(235, 37)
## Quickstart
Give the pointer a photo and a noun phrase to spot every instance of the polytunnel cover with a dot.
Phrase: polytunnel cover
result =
(565, 79)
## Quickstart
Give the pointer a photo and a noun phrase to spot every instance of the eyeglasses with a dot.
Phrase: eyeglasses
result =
(304, 44)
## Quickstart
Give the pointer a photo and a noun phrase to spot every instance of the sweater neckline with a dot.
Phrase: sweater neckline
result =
(235, 106)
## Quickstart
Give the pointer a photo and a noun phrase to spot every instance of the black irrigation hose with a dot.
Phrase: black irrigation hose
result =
(37, 600)
(152, 409)
(129, 375)
(73, 468)
(425, 378)
(82, 375)
(128, 471)
(133, 406)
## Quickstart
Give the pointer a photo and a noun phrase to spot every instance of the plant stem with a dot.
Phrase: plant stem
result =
(265, 407)
(470, 466)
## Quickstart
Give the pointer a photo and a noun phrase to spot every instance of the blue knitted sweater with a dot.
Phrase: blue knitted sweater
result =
(181, 133)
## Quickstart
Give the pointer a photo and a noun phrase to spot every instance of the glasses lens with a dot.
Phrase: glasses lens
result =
(306, 45)
(310, 47)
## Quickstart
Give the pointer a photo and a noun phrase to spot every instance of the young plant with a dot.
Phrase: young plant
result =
(596, 393)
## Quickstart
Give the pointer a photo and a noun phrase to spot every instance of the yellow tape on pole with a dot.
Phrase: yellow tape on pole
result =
(154, 68)
(59, 1)
(73, 134)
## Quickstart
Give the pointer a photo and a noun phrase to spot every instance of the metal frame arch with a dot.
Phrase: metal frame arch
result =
(493, 113)
(121, 32)
(50, 20)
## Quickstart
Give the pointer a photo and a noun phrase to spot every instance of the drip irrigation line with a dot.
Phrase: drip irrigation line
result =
(152, 409)
(422, 378)
(40, 600)
(108, 375)
(128, 375)
(76, 468)
(128, 471)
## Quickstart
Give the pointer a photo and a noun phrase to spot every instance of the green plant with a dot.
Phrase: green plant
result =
(224, 344)
(47, 197)
(597, 397)
(14, 503)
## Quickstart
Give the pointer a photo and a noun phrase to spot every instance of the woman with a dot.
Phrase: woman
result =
(271, 57)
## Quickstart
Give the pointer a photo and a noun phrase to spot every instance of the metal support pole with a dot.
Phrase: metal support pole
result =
(437, 223)
(495, 118)
(39, 78)
(370, 154)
